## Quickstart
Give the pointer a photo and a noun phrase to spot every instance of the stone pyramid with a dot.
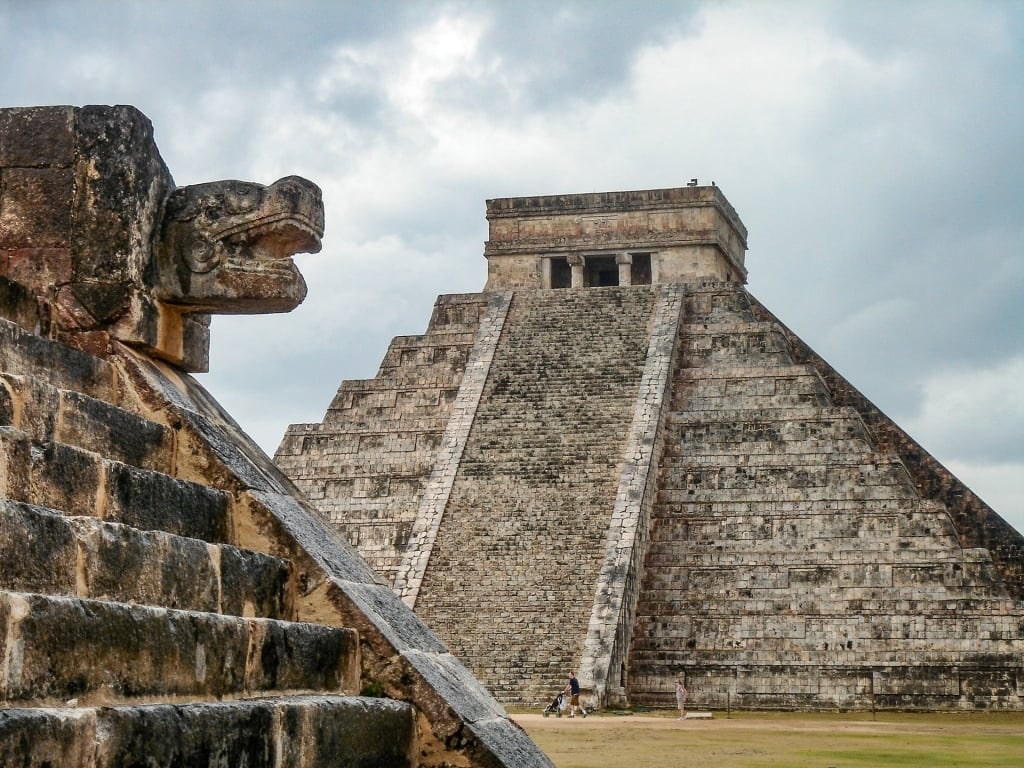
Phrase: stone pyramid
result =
(166, 598)
(615, 459)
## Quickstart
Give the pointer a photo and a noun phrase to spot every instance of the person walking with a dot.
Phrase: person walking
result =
(573, 689)
(681, 698)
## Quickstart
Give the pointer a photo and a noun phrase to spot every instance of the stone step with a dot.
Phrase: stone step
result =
(80, 483)
(935, 605)
(880, 493)
(426, 356)
(64, 416)
(344, 508)
(821, 583)
(374, 472)
(712, 300)
(908, 524)
(804, 417)
(767, 551)
(915, 511)
(760, 376)
(426, 419)
(843, 477)
(711, 548)
(696, 358)
(452, 310)
(43, 551)
(443, 376)
(58, 648)
(730, 333)
(710, 649)
(748, 392)
(26, 354)
(368, 394)
(733, 452)
(732, 462)
(308, 731)
(712, 402)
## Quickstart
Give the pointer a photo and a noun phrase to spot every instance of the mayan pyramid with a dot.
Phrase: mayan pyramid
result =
(615, 459)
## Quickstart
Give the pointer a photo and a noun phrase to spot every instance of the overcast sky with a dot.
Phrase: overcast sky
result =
(873, 150)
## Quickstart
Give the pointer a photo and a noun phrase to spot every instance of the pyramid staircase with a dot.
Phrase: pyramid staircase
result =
(793, 562)
(166, 600)
(510, 582)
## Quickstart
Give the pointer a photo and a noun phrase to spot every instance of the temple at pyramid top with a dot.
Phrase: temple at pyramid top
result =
(643, 237)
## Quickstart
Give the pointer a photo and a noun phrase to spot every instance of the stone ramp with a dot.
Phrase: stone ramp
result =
(511, 579)
(792, 562)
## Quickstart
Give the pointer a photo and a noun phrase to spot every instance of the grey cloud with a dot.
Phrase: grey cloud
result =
(884, 206)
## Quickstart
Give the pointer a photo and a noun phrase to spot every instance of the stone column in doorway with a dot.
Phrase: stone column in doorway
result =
(625, 262)
(545, 272)
(576, 262)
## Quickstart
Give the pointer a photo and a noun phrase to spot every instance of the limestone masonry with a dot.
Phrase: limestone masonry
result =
(166, 598)
(616, 460)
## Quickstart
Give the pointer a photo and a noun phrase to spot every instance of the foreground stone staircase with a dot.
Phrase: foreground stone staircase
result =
(127, 612)
(792, 562)
(166, 600)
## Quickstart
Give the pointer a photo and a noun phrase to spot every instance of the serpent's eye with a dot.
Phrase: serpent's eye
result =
(204, 258)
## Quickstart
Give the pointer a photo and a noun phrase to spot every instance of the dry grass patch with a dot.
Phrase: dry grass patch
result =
(782, 740)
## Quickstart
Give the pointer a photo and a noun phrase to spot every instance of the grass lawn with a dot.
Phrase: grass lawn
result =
(781, 739)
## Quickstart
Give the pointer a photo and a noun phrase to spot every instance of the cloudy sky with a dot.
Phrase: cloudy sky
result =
(873, 150)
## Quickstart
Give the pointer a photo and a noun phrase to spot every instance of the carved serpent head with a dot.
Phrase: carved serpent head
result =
(225, 247)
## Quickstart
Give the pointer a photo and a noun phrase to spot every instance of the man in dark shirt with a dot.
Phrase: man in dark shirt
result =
(573, 689)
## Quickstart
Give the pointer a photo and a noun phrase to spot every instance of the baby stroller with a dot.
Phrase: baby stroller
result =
(557, 706)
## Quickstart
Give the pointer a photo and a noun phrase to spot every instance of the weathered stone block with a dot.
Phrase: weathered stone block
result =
(49, 474)
(38, 549)
(26, 353)
(35, 208)
(60, 648)
(40, 269)
(35, 136)
(301, 732)
(45, 738)
(126, 565)
(321, 732)
(197, 735)
(287, 656)
(113, 432)
(154, 501)
(253, 584)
